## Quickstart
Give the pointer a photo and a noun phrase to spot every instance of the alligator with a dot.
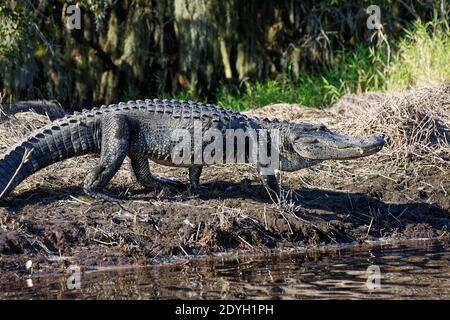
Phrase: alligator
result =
(142, 130)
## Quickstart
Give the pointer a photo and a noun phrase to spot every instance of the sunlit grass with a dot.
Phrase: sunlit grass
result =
(422, 57)
(353, 71)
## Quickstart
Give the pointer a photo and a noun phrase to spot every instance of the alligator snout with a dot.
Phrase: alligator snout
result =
(373, 145)
(330, 145)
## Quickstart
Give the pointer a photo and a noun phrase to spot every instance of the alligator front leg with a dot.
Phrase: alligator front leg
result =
(272, 186)
(270, 182)
(194, 177)
(115, 142)
(144, 176)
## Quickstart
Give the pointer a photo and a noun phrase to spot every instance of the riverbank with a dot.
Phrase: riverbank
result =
(401, 192)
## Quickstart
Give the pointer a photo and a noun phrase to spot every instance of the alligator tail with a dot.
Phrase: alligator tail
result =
(62, 139)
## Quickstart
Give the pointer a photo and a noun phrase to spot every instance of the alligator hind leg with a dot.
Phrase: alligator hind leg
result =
(115, 142)
(141, 169)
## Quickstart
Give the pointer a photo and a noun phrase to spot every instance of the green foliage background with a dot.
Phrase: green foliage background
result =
(238, 54)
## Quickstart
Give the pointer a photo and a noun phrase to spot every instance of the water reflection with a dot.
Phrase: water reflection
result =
(411, 270)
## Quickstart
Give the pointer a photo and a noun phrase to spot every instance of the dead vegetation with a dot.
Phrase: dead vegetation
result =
(416, 124)
(401, 192)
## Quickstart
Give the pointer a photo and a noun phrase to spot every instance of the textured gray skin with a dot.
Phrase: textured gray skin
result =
(142, 130)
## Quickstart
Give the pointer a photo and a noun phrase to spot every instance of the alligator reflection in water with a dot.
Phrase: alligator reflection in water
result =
(417, 269)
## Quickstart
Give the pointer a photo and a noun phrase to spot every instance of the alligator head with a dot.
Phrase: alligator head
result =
(307, 144)
(317, 142)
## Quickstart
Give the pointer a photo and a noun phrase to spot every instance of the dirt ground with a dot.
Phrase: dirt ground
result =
(49, 220)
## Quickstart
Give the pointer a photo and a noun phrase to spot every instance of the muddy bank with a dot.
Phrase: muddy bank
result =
(396, 193)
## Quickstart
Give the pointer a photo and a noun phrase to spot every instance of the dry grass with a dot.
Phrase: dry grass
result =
(416, 123)
(415, 160)
(18, 126)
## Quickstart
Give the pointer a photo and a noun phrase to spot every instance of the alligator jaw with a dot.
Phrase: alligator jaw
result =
(329, 145)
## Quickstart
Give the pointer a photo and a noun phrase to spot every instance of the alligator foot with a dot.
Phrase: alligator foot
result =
(141, 172)
(194, 179)
(273, 188)
(169, 184)
(195, 191)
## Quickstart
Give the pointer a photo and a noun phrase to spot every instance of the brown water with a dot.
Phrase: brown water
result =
(418, 269)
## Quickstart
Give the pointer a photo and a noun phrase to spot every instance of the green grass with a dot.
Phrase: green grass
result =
(261, 93)
(422, 56)
(353, 71)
